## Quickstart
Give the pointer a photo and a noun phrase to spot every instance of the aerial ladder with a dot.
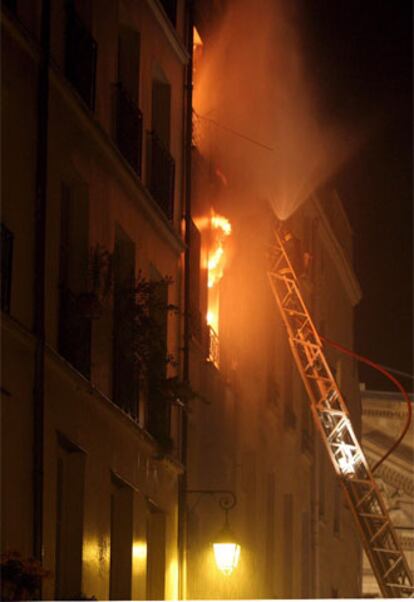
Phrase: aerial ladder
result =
(332, 418)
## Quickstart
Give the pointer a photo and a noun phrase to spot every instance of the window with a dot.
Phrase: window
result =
(6, 267)
(270, 531)
(161, 166)
(156, 524)
(80, 52)
(69, 519)
(195, 266)
(321, 482)
(74, 337)
(307, 427)
(288, 545)
(125, 371)
(306, 566)
(159, 411)
(289, 416)
(128, 117)
(337, 509)
(120, 580)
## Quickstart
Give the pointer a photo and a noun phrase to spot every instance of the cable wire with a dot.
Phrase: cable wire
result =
(386, 373)
(234, 132)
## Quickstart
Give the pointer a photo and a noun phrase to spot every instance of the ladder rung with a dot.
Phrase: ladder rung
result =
(392, 567)
(363, 482)
(373, 516)
(325, 379)
(380, 530)
(387, 551)
(296, 312)
(366, 496)
(338, 425)
(409, 588)
(305, 343)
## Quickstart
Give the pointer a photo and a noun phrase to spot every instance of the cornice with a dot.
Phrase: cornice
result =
(337, 254)
(392, 476)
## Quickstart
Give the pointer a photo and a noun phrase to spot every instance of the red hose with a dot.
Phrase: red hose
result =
(396, 382)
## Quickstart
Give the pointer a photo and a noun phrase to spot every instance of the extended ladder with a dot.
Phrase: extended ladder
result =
(331, 416)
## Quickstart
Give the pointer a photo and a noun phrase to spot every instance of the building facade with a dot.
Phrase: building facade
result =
(93, 99)
(384, 415)
(110, 304)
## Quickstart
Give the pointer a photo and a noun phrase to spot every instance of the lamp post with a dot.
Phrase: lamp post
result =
(225, 545)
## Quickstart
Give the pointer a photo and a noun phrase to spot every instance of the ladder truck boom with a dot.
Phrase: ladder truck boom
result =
(332, 419)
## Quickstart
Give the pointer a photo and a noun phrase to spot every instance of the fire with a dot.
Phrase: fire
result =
(221, 229)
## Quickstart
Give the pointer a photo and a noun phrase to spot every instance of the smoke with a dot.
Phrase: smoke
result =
(256, 109)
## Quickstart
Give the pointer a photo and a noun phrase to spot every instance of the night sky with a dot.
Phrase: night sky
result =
(359, 53)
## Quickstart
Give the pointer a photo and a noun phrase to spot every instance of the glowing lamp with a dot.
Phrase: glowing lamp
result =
(226, 551)
(225, 546)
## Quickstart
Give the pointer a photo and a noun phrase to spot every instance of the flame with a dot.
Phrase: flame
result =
(215, 264)
(220, 230)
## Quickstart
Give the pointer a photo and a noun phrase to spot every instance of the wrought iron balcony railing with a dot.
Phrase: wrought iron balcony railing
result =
(80, 57)
(128, 128)
(161, 170)
(214, 347)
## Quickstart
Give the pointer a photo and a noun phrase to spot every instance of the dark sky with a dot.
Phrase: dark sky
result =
(360, 56)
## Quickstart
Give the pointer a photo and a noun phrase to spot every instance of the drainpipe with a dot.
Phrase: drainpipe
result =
(39, 278)
(188, 125)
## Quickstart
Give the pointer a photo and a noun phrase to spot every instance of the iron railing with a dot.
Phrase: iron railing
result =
(128, 128)
(161, 171)
(80, 57)
(214, 347)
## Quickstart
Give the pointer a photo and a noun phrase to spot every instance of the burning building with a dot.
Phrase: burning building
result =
(251, 431)
(145, 361)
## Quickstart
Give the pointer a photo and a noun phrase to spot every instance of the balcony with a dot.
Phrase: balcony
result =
(80, 58)
(213, 347)
(128, 128)
(161, 170)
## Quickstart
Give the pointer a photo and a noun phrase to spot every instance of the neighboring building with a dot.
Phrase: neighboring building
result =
(106, 440)
(384, 415)
(250, 429)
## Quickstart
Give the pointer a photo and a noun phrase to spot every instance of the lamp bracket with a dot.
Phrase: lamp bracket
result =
(225, 498)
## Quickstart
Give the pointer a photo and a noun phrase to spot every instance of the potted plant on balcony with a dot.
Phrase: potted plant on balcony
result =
(20, 577)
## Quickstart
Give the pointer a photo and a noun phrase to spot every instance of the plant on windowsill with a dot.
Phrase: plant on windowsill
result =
(90, 303)
(144, 314)
(21, 578)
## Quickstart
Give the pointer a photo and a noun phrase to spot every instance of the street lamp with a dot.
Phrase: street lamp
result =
(225, 545)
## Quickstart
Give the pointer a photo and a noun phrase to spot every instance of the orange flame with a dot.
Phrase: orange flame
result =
(220, 229)
(215, 265)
